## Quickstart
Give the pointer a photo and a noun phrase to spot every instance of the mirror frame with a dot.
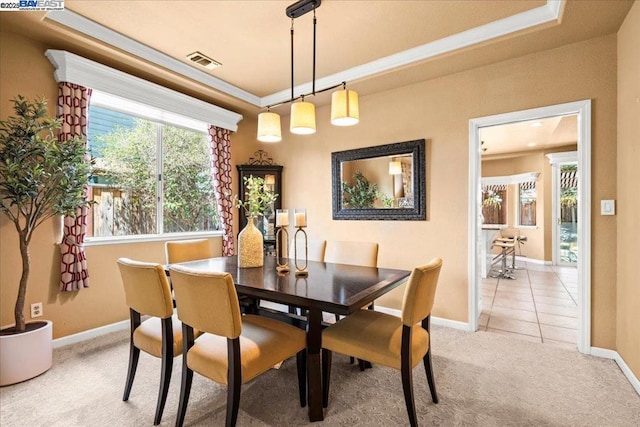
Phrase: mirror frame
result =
(417, 150)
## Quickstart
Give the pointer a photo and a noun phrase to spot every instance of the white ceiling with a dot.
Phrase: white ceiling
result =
(529, 135)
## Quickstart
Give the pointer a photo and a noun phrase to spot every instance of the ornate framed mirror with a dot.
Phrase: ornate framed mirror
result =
(385, 182)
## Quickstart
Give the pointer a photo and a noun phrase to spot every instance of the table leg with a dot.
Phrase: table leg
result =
(314, 378)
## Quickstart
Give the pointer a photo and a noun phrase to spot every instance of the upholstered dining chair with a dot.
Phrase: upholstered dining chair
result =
(396, 342)
(188, 250)
(354, 253)
(234, 348)
(147, 292)
(196, 249)
(315, 249)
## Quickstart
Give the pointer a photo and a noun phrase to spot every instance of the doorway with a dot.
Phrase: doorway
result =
(583, 111)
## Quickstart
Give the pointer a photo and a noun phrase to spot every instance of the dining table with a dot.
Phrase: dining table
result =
(328, 287)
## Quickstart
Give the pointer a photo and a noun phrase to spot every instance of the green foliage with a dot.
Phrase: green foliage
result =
(257, 197)
(387, 201)
(39, 177)
(569, 197)
(361, 195)
(188, 198)
(492, 199)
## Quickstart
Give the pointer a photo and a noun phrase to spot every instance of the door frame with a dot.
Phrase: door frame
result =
(583, 110)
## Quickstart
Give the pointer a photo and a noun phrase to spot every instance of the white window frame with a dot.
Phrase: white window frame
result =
(169, 106)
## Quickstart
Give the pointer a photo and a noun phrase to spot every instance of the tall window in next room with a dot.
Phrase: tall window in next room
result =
(152, 173)
(527, 203)
(494, 204)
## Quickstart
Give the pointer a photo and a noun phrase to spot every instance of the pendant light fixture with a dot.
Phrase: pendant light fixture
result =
(269, 129)
(345, 110)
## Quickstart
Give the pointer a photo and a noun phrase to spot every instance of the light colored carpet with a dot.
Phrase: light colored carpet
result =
(483, 379)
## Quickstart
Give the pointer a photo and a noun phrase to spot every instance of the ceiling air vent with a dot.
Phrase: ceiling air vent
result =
(203, 60)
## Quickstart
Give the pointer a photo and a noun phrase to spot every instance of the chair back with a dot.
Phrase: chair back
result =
(420, 292)
(146, 288)
(315, 249)
(510, 233)
(188, 250)
(207, 301)
(353, 253)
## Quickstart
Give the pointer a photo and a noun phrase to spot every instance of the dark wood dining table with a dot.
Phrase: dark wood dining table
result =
(334, 288)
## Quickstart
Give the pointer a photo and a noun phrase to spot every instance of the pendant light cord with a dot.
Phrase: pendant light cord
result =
(292, 98)
(313, 87)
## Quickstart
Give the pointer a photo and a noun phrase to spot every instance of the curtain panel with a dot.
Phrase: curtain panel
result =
(73, 103)
(220, 145)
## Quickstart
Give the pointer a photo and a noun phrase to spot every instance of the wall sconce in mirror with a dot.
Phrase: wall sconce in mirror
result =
(385, 182)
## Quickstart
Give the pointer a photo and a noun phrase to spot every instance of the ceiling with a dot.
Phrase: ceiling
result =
(374, 45)
(531, 135)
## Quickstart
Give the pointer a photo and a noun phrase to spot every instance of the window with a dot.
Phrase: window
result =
(527, 203)
(153, 171)
(494, 204)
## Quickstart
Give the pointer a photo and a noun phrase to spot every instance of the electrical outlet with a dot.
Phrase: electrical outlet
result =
(36, 310)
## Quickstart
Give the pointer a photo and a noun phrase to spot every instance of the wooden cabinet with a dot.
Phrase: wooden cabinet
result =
(272, 175)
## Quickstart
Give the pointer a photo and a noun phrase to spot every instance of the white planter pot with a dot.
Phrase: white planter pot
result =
(27, 355)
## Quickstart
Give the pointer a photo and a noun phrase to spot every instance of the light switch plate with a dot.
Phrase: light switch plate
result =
(607, 207)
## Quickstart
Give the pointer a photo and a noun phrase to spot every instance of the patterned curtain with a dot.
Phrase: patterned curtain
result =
(220, 145)
(73, 101)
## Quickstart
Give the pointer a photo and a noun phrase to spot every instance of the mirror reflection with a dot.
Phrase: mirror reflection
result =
(378, 183)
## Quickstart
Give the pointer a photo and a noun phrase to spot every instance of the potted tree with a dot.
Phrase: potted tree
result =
(40, 177)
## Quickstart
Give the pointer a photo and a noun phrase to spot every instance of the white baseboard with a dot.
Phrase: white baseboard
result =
(454, 324)
(91, 333)
(533, 261)
(612, 354)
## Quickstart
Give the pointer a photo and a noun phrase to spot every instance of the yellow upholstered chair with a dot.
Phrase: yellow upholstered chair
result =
(234, 348)
(196, 249)
(315, 249)
(353, 253)
(398, 343)
(188, 250)
(147, 292)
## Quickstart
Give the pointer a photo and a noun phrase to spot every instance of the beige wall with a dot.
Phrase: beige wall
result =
(628, 204)
(539, 238)
(437, 110)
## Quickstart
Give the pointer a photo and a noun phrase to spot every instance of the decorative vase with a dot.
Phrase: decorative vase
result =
(26, 355)
(250, 245)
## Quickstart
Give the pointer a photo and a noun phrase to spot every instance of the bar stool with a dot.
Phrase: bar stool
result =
(508, 247)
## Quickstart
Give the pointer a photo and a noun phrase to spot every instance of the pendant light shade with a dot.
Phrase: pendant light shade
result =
(269, 127)
(303, 118)
(345, 110)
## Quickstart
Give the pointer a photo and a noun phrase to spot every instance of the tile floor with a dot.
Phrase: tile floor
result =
(539, 305)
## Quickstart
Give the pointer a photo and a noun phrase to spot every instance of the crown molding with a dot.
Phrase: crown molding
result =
(76, 69)
(550, 12)
(100, 32)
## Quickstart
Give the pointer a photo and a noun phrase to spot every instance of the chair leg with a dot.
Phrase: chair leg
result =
(326, 376)
(134, 354)
(187, 374)
(301, 359)
(185, 390)
(429, 370)
(407, 379)
(167, 368)
(234, 381)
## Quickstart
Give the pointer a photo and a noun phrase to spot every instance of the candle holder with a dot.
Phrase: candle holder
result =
(300, 218)
(282, 221)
